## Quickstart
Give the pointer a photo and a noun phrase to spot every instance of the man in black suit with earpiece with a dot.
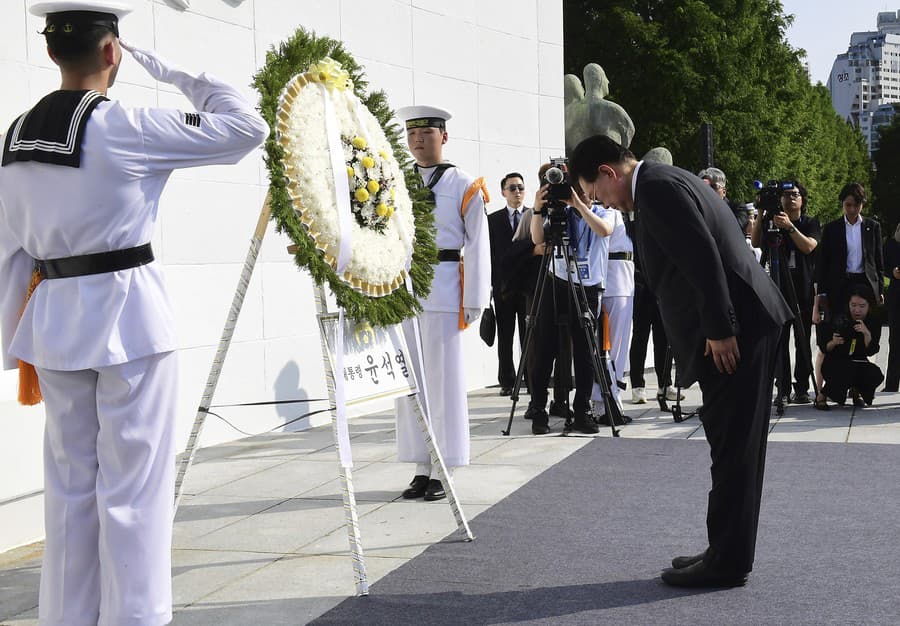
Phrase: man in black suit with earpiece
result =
(723, 317)
(509, 304)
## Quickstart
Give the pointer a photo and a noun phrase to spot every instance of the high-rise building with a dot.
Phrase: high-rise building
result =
(865, 81)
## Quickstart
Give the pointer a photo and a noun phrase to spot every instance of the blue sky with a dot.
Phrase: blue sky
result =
(823, 28)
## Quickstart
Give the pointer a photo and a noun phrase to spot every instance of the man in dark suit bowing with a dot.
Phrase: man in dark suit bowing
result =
(722, 315)
(509, 304)
(850, 252)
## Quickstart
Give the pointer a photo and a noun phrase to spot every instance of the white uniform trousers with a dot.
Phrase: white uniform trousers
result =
(619, 310)
(109, 479)
(445, 385)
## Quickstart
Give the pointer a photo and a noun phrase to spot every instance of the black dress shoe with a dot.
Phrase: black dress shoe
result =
(680, 562)
(561, 409)
(603, 420)
(435, 491)
(540, 421)
(702, 575)
(584, 422)
(857, 400)
(417, 487)
(505, 391)
(801, 397)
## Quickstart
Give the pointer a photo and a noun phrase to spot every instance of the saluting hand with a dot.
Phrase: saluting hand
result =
(725, 354)
(155, 66)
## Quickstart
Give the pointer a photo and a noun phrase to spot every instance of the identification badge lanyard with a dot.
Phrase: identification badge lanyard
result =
(582, 262)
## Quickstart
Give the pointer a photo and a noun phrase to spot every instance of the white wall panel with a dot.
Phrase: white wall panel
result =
(12, 32)
(550, 21)
(465, 10)
(516, 17)
(508, 117)
(381, 34)
(444, 45)
(14, 101)
(507, 61)
(552, 124)
(550, 69)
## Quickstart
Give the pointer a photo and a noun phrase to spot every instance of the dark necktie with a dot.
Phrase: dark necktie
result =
(516, 216)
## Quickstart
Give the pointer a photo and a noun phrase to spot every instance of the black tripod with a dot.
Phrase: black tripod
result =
(677, 413)
(558, 248)
(780, 274)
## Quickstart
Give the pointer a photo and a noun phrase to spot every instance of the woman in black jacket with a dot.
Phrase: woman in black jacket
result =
(847, 341)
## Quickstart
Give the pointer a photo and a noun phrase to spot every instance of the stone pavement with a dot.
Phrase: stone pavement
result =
(259, 537)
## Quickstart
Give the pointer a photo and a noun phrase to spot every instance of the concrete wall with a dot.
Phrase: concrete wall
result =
(496, 65)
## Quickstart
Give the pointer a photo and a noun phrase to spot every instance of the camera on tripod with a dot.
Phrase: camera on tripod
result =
(559, 192)
(769, 204)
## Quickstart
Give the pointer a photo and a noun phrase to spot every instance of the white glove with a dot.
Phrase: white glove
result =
(155, 66)
(471, 314)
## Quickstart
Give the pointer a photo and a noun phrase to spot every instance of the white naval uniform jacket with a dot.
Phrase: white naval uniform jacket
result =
(455, 233)
(109, 203)
(619, 274)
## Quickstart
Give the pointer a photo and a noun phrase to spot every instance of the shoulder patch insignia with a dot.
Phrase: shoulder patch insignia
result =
(192, 119)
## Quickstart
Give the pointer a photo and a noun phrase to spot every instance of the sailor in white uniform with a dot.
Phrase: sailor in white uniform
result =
(459, 292)
(617, 302)
(80, 183)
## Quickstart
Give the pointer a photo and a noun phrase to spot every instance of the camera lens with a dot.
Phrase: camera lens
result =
(555, 176)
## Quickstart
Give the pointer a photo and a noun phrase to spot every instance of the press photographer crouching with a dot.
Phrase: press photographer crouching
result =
(789, 238)
(847, 340)
(567, 222)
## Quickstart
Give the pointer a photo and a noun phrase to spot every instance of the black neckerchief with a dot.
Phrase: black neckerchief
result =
(53, 131)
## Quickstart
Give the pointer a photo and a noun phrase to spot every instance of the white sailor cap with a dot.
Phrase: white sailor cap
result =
(424, 116)
(119, 8)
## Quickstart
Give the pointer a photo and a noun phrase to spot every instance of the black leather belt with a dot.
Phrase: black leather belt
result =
(621, 256)
(446, 256)
(98, 263)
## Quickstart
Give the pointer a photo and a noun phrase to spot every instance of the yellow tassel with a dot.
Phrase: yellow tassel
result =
(29, 385)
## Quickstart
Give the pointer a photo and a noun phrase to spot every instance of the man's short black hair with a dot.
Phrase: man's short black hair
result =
(853, 189)
(508, 176)
(593, 152)
(73, 38)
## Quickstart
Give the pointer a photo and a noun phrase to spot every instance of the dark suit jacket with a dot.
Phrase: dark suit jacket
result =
(699, 265)
(501, 235)
(831, 268)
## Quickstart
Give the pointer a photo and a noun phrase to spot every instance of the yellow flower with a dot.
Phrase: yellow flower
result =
(359, 143)
(393, 192)
(367, 162)
(361, 194)
(383, 154)
(390, 211)
(381, 210)
(331, 74)
(350, 172)
(373, 186)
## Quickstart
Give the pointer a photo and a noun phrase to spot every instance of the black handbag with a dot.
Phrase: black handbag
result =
(488, 327)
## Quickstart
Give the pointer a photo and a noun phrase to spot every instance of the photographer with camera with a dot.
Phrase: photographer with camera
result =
(566, 221)
(784, 229)
(847, 341)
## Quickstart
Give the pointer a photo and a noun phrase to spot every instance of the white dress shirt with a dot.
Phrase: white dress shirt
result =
(854, 246)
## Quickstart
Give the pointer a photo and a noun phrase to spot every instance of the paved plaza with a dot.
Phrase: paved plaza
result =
(261, 532)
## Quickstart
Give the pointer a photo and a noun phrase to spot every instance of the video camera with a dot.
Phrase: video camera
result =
(769, 204)
(559, 193)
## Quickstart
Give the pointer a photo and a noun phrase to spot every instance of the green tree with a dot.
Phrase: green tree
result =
(673, 64)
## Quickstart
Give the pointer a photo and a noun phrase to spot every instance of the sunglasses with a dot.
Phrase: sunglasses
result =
(515, 188)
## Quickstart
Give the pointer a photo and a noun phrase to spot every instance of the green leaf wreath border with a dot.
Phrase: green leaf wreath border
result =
(292, 57)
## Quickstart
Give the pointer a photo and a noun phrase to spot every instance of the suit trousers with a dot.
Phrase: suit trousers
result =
(510, 310)
(109, 481)
(735, 417)
(558, 311)
(646, 317)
